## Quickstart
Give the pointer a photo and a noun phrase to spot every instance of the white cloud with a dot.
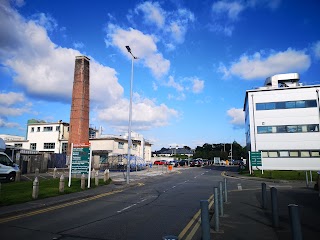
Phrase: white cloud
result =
(316, 49)
(142, 45)
(11, 98)
(260, 66)
(237, 116)
(45, 71)
(232, 9)
(153, 13)
(5, 124)
(13, 104)
(175, 85)
(198, 85)
(78, 45)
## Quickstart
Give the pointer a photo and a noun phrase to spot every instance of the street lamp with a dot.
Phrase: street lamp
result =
(130, 116)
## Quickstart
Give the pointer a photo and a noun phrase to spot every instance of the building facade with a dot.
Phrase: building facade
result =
(282, 121)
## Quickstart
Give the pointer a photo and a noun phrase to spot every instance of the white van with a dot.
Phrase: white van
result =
(8, 169)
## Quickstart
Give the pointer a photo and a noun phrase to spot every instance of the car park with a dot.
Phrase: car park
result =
(183, 163)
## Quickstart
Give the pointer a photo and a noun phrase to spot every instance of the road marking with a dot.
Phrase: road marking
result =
(48, 209)
(173, 186)
(126, 208)
(192, 221)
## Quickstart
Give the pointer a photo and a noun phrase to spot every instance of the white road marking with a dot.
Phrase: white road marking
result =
(126, 208)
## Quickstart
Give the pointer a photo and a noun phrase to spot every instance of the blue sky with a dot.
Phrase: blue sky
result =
(196, 60)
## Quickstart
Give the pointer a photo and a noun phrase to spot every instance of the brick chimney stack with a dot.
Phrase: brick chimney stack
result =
(79, 116)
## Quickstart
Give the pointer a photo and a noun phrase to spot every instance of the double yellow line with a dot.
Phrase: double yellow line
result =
(48, 209)
(196, 220)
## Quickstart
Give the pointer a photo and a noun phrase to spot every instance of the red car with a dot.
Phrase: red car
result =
(160, 162)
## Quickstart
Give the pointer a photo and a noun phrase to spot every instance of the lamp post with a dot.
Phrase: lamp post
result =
(130, 117)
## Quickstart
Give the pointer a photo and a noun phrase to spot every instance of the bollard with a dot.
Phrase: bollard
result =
(274, 205)
(36, 173)
(216, 210)
(54, 173)
(18, 176)
(295, 222)
(106, 175)
(225, 191)
(96, 178)
(83, 181)
(307, 183)
(61, 184)
(220, 199)
(263, 196)
(35, 188)
(205, 225)
(93, 173)
(239, 186)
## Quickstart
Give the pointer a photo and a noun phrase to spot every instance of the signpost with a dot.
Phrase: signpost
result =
(80, 161)
(255, 160)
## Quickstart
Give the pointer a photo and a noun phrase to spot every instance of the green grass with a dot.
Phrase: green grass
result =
(282, 175)
(20, 192)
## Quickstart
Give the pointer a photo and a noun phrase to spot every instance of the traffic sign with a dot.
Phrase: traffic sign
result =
(255, 159)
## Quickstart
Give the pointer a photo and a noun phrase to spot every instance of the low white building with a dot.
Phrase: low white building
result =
(53, 138)
(282, 121)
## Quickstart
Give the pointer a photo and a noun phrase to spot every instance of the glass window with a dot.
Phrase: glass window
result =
(294, 153)
(64, 147)
(315, 153)
(273, 154)
(270, 106)
(305, 154)
(57, 128)
(18, 144)
(264, 129)
(33, 146)
(300, 104)
(313, 128)
(264, 154)
(280, 105)
(290, 104)
(311, 103)
(281, 129)
(120, 145)
(38, 129)
(291, 129)
(134, 146)
(284, 153)
(260, 106)
(47, 129)
(32, 129)
(49, 145)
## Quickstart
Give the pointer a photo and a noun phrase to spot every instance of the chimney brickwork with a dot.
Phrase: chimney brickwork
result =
(79, 116)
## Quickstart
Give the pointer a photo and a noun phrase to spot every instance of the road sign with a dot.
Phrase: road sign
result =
(80, 159)
(255, 159)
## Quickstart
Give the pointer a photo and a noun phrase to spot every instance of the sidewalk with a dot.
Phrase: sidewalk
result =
(245, 219)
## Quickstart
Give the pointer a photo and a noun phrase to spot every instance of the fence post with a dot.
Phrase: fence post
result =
(221, 199)
(93, 173)
(225, 190)
(264, 196)
(35, 188)
(83, 181)
(18, 176)
(54, 173)
(216, 210)
(61, 183)
(274, 205)
(106, 175)
(205, 225)
(295, 222)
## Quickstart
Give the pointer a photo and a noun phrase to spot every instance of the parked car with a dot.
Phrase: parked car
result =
(160, 162)
(173, 163)
(195, 163)
(8, 169)
(183, 163)
(237, 162)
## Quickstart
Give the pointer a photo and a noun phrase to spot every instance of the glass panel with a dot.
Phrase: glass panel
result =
(260, 106)
(270, 106)
(300, 104)
(313, 128)
(262, 129)
(290, 104)
(280, 105)
(284, 153)
(291, 129)
(315, 153)
(305, 154)
(281, 129)
(264, 154)
(294, 154)
(273, 154)
(311, 103)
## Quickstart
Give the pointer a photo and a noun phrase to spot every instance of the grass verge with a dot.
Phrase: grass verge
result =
(281, 175)
(20, 192)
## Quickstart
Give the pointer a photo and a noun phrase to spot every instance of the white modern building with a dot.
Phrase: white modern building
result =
(53, 138)
(282, 121)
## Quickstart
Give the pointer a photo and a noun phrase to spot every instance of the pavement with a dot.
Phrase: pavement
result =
(243, 217)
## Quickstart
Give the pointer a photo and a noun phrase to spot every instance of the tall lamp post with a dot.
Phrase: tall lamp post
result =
(130, 117)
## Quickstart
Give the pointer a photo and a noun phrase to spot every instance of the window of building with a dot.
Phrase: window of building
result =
(305, 154)
(288, 128)
(311, 103)
(300, 104)
(260, 106)
(68, 129)
(49, 145)
(134, 146)
(32, 129)
(273, 154)
(18, 144)
(281, 129)
(291, 129)
(264, 154)
(313, 128)
(64, 147)
(284, 153)
(270, 106)
(47, 129)
(38, 129)
(33, 146)
(57, 128)
(121, 145)
(294, 153)
(286, 105)
(315, 153)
